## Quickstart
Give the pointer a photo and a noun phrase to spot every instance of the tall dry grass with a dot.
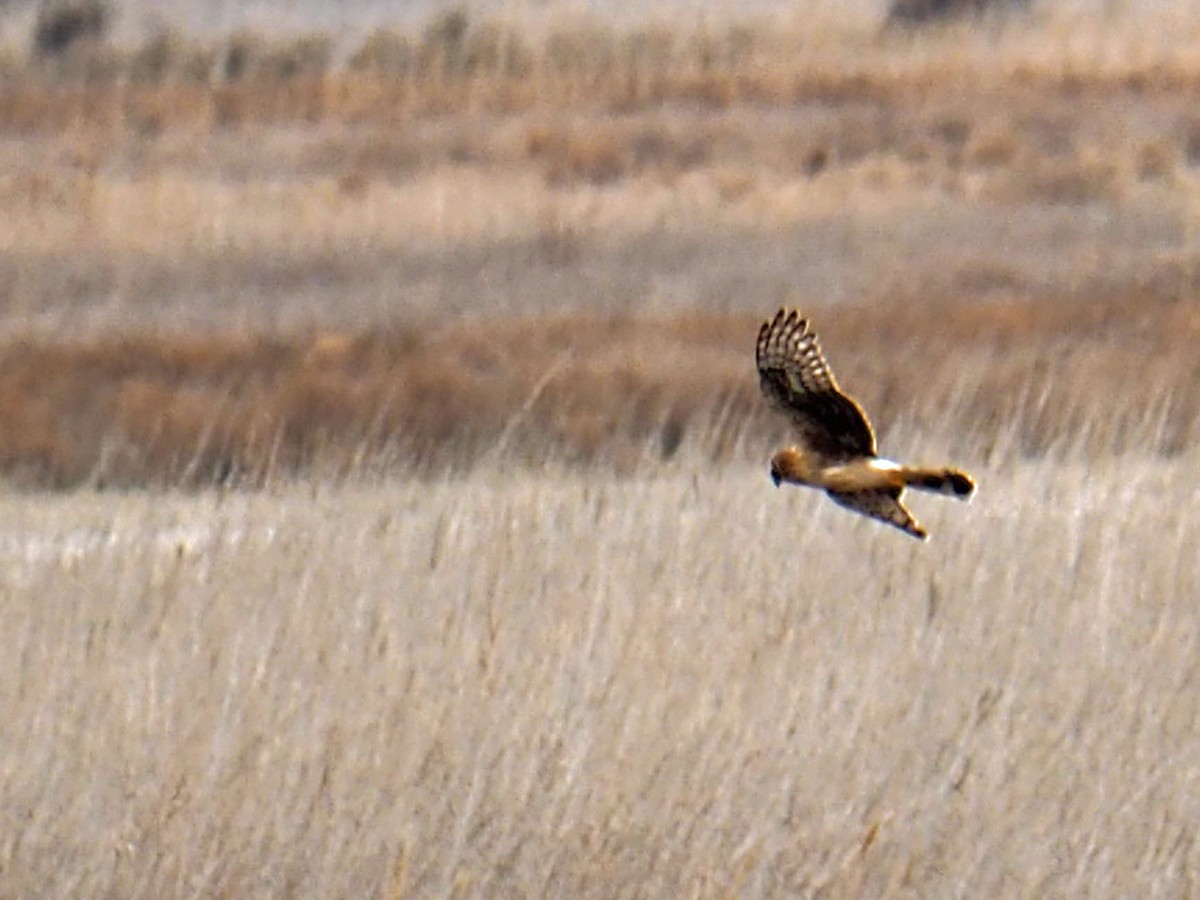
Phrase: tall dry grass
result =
(590, 651)
(622, 393)
(461, 61)
(690, 685)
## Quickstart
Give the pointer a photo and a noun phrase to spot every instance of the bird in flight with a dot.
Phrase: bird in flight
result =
(837, 445)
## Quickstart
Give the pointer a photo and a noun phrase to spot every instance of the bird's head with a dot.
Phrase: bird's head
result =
(791, 464)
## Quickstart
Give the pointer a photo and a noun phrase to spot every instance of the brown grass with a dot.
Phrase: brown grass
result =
(484, 244)
(463, 63)
(1051, 375)
(158, 164)
(351, 98)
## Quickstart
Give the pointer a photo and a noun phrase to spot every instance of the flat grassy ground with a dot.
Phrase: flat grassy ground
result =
(558, 684)
(387, 509)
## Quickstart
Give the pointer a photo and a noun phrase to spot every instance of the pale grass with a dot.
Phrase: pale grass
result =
(684, 685)
(928, 165)
(156, 238)
(176, 212)
(1097, 39)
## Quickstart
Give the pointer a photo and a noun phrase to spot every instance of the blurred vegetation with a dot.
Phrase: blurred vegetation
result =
(925, 12)
(998, 380)
(139, 174)
(64, 25)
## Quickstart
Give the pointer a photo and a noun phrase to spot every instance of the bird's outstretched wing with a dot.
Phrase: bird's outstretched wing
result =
(795, 378)
(884, 505)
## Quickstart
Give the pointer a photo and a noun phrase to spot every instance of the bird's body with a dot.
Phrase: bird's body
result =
(837, 453)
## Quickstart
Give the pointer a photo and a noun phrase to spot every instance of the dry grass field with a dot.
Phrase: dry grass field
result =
(386, 509)
(560, 685)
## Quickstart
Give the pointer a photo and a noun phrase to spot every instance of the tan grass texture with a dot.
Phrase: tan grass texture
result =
(693, 685)
(512, 608)
(503, 63)
(1069, 378)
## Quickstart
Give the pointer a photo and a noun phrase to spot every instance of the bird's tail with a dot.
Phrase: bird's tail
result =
(954, 482)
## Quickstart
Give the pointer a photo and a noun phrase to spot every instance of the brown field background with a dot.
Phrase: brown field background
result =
(472, 242)
(386, 507)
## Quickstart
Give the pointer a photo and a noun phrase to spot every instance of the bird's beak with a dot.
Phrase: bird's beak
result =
(775, 477)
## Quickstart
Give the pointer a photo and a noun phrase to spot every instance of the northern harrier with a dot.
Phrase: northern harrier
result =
(837, 445)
